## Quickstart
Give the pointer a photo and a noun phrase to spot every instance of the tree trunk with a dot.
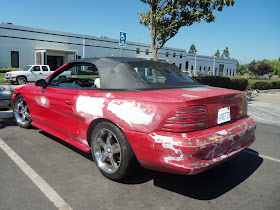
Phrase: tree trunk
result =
(153, 31)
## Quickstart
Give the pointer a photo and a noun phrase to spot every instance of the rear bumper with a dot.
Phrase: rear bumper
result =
(194, 152)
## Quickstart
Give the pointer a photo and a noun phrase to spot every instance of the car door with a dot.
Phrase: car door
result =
(45, 72)
(54, 108)
(36, 73)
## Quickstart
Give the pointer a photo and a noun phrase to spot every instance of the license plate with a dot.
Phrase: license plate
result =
(224, 115)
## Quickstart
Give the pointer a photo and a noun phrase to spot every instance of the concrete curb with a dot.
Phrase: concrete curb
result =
(6, 114)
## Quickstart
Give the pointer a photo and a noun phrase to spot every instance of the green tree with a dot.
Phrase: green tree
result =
(226, 53)
(217, 54)
(164, 18)
(275, 65)
(242, 69)
(192, 49)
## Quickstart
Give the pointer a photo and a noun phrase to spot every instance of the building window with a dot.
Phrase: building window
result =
(147, 51)
(204, 68)
(187, 65)
(79, 57)
(14, 59)
(45, 68)
(174, 55)
(137, 50)
(208, 68)
(227, 72)
(167, 54)
(192, 68)
(200, 68)
(181, 55)
(180, 66)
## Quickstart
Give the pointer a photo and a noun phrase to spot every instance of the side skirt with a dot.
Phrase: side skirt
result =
(73, 142)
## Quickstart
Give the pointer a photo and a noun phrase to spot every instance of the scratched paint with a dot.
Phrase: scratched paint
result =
(90, 105)
(168, 143)
(132, 112)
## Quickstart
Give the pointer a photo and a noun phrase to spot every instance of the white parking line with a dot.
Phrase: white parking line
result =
(262, 156)
(36, 178)
(271, 121)
(263, 109)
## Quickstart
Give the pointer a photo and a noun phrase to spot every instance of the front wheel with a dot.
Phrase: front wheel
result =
(21, 80)
(112, 152)
(21, 112)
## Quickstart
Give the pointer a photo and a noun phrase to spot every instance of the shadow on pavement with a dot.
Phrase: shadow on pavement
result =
(86, 155)
(207, 185)
(7, 122)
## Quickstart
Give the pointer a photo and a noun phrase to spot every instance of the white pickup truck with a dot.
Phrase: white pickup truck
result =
(31, 73)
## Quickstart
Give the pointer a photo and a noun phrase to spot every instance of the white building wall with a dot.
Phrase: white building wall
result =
(27, 40)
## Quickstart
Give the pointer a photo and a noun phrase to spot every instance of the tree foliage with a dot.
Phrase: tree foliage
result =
(217, 54)
(275, 65)
(192, 49)
(261, 69)
(226, 53)
(165, 17)
(242, 69)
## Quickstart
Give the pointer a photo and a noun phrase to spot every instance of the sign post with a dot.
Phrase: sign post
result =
(122, 41)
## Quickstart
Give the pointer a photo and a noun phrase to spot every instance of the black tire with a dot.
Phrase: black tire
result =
(125, 160)
(21, 112)
(21, 80)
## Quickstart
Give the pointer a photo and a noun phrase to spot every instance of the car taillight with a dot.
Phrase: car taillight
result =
(185, 119)
(243, 109)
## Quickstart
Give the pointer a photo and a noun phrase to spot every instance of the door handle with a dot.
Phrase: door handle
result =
(69, 102)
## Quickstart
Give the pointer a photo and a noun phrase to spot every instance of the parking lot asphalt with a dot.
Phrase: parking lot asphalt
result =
(249, 181)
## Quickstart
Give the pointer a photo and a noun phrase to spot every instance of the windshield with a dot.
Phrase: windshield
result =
(163, 76)
(27, 68)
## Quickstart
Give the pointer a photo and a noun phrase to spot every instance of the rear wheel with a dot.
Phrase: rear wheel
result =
(112, 152)
(21, 112)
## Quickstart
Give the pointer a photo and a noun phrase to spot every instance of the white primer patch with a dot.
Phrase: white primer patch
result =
(131, 112)
(85, 142)
(196, 89)
(222, 132)
(90, 105)
(189, 96)
(108, 95)
(168, 143)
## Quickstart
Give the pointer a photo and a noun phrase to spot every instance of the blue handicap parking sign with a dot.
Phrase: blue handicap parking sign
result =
(122, 39)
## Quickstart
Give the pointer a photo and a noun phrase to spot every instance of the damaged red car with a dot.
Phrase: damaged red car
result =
(127, 111)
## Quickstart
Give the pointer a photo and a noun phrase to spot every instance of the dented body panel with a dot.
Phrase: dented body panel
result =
(69, 114)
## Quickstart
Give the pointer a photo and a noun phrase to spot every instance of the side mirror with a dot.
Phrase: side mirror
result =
(41, 83)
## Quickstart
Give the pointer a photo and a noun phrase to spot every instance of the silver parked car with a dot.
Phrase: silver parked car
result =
(5, 97)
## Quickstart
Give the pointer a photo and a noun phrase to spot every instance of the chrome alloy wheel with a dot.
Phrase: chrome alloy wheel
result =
(21, 112)
(107, 151)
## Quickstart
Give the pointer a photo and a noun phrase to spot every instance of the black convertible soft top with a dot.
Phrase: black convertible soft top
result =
(119, 73)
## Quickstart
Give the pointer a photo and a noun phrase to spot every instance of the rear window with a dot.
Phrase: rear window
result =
(163, 76)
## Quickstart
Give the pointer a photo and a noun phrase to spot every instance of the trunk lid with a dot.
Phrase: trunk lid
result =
(213, 99)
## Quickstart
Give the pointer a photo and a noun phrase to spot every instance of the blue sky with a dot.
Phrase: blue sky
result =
(250, 29)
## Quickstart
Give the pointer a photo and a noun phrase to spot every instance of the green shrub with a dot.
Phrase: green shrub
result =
(7, 69)
(264, 85)
(224, 82)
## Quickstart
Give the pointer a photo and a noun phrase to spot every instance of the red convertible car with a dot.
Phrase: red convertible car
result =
(127, 111)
